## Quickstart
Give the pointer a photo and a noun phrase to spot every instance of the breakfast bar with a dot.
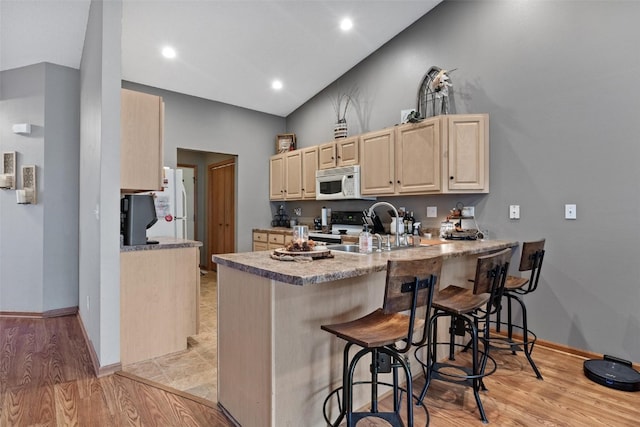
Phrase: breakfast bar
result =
(275, 365)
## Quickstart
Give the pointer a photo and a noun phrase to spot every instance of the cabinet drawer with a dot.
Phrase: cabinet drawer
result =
(276, 238)
(260, 246)
(259, 237)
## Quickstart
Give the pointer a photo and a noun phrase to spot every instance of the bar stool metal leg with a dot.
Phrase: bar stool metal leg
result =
(526, 345)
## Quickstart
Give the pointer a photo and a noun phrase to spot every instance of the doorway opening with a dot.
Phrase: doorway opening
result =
(199, 162)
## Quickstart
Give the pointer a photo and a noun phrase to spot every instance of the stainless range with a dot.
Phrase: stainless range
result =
(347, 223)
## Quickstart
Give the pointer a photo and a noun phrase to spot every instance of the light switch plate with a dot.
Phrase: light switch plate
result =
(432, 211)
(570, 212)
(514, 212)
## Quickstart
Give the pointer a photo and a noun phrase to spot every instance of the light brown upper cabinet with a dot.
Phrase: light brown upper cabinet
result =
(342, 152)
(442, 154)
(141, 141)
(401, 160)
(285, 176)
(466, 155)
(417, 166)
(277, 177)
(377, 164)
(309, 168)
(293, 175)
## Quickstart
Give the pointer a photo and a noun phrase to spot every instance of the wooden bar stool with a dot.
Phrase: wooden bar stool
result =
(409, 286)
(470, 311)
(516, 288)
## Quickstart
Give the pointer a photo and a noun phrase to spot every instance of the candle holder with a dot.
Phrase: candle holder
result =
(8, 176)
(28, 194)
(300, 234)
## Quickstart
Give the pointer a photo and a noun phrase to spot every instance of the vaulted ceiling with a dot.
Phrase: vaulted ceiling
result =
(226, 50)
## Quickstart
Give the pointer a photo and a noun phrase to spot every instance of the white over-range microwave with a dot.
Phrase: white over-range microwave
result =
(338, 183)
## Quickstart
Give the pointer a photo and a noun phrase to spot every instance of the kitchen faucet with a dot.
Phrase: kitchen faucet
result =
(395, 211)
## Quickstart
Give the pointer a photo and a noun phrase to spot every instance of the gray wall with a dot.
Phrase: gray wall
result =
(558, 80)
(99, 213)
(39, 243)
(197, 124)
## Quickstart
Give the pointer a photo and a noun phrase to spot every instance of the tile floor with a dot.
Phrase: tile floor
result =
(193, 371)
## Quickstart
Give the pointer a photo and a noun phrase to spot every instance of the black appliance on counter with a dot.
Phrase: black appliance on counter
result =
(137, 213)
(317, 223)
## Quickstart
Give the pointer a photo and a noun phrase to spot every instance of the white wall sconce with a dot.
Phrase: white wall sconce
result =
(8, 175)
(29, 191)
(22, 128)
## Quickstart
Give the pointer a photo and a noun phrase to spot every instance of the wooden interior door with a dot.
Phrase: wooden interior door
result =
(221, 210)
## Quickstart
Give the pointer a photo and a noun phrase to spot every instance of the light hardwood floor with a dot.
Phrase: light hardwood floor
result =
(46, 380)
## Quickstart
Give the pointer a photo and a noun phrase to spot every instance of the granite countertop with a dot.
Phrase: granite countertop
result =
(163, 243)
(344, 265)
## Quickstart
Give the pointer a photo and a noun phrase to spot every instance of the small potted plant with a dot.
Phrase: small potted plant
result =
(340, 106)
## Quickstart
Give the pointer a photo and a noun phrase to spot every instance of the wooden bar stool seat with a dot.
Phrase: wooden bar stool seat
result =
(408, 290)
(469, 311)
(376, 329)
(459, 300)
(514, 282)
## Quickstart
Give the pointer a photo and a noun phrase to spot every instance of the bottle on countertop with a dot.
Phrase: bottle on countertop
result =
(365, 241)
(405, 221)
(392, 227)
(410, 221)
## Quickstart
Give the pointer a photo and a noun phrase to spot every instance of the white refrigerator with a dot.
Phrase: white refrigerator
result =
(171, 207)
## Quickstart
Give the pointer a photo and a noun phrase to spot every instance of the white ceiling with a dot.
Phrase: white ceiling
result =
(227, 50)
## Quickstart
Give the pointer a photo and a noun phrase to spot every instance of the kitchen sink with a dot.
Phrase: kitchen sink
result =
(355, 249)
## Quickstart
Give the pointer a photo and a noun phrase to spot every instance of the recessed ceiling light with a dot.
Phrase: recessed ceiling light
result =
(168, 52)
(346, 24)
(276, 84)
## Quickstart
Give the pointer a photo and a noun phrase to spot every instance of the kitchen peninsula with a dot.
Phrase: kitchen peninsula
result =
(275, 364)
(159, 298)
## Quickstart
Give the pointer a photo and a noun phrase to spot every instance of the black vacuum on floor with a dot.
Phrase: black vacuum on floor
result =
(613, 372)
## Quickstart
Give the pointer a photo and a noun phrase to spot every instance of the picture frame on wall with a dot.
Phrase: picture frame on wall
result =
(285, 142)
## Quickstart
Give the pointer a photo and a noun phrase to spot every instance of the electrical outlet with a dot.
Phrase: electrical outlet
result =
(514, 212)
(569, 211)
(432, 211)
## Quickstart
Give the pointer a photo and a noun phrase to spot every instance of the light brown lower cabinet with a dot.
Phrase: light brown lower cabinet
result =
(159, 300)
(269, 240)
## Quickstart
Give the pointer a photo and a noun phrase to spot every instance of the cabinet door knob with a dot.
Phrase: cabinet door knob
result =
(450, 177)
(339, 157)
(390, 182)
(398, 181)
